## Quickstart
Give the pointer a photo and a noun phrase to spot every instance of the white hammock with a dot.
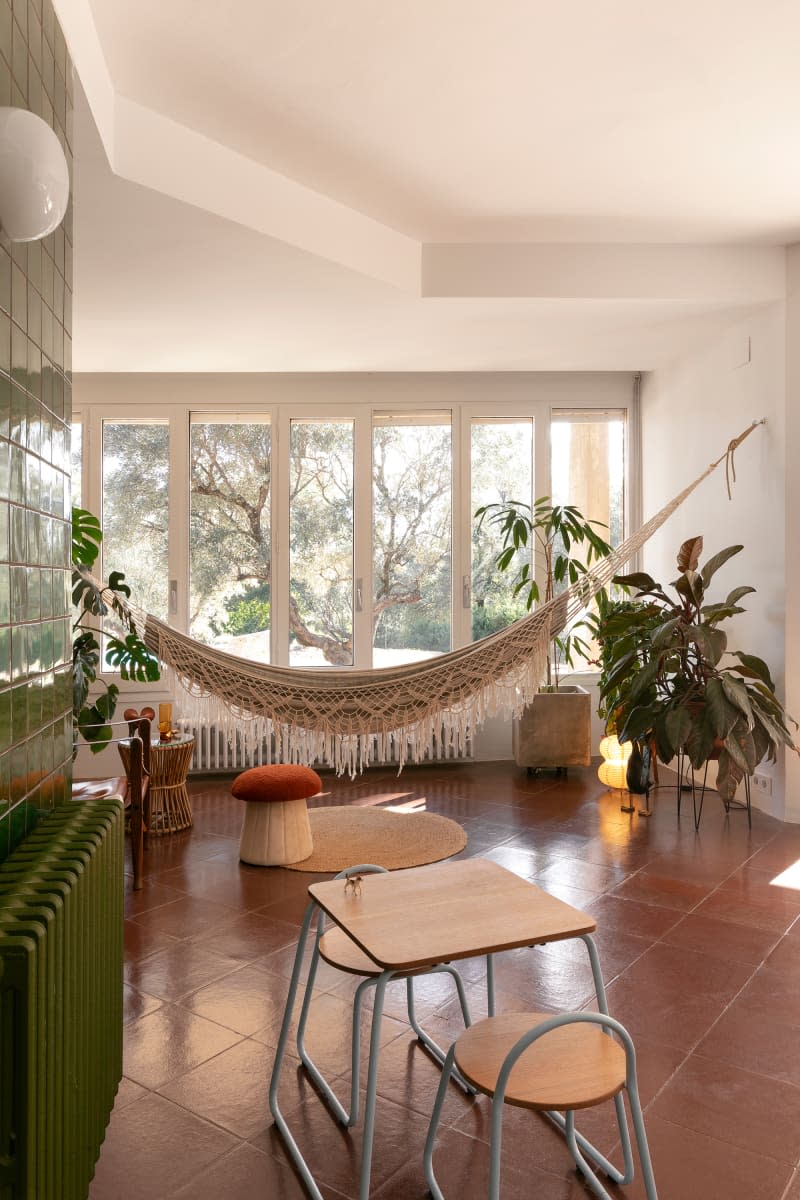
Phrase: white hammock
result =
(349, 719)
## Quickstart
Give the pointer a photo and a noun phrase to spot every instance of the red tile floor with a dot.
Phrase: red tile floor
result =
(700, 948)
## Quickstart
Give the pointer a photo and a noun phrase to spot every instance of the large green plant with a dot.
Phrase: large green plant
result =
(668, 676)
(555, 530)
(127, 654)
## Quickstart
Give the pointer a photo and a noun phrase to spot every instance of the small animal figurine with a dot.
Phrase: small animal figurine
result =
(352, 885)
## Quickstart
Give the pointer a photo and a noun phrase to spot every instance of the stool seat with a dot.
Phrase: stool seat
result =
(340, 951)
(574, 1066)
(276, 829)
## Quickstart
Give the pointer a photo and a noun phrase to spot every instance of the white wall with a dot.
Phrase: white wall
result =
(792, 507)
(689, 413)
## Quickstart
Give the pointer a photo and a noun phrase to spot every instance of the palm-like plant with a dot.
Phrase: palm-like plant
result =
(664, 679)
(128, 654)
(555, 530)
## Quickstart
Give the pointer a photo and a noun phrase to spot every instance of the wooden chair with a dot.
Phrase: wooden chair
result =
(551, 1064)
(132, 787)
(136, 750)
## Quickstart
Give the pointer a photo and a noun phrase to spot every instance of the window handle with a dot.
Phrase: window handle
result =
(466, 591)
(359, 595)
(173, 596)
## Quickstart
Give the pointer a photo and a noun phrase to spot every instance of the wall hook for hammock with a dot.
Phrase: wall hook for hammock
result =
(732, 447)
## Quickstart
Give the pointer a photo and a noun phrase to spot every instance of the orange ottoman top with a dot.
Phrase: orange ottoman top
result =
(281, 782)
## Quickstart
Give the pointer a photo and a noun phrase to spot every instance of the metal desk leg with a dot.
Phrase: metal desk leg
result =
(274, 1107)
(559, 1120)
(372, 1084)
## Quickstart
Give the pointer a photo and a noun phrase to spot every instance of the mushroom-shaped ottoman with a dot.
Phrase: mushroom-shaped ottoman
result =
(276, 829)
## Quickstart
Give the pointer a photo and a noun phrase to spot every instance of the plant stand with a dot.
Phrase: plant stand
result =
(699, 794)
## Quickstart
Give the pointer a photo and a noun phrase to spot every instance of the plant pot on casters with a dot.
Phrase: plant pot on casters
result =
(555, 731)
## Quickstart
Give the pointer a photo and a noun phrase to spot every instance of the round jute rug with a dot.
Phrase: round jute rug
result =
(345, 836)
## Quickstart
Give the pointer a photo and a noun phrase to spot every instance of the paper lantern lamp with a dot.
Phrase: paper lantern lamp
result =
(612, 771)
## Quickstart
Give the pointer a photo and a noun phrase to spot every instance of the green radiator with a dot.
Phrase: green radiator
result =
(61, 921)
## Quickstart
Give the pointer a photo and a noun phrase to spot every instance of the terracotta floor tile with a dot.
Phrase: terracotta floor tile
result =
(247, 936)
(674, 996)
(229, 1089)
(222, 937)
(186, 917)
(244, 1000)
(643, 920)
(703, 1092)
(748, 1037)
(170, 1041)
(723, 939)
(689, 1165)
(647, 887)
(179, 970)
(242, 1174)
(153, 1147)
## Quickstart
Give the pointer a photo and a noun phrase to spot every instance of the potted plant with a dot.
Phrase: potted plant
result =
(554, 731)
(128, 654)
(669, 679)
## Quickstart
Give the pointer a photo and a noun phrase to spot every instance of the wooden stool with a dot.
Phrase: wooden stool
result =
(552, 1064)
(276, 828)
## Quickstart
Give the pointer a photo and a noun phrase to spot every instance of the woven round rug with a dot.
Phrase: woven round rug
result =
(345, 836)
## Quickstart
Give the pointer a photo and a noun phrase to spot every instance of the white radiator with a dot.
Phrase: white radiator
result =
(213, 751)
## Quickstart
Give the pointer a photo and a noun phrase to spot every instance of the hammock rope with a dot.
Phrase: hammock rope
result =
(347, 718)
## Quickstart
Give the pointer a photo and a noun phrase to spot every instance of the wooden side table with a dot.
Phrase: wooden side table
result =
(168, 807)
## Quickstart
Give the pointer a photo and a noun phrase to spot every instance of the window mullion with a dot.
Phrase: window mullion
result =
(178, 526)
(280, 539)
(362, 539)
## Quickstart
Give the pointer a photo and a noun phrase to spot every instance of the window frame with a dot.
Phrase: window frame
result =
(179, 415)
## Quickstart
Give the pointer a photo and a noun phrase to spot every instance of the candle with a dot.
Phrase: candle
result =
(165, 716)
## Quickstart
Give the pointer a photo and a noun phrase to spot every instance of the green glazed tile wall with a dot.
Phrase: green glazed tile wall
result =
(35, 412)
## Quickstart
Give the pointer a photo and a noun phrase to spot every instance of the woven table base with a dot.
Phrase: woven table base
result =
(345, 836)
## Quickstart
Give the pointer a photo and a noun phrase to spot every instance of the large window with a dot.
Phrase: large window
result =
(229, 534)
(321, 543)
(136, 508)
(337, 535)
(502, 470)
(411, 537)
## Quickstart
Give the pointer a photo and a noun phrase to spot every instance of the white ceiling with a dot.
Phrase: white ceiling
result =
(341, 142)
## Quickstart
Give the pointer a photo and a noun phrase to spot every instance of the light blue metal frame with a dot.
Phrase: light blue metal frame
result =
(345, 1117)
(575, 1141)
(379, 983)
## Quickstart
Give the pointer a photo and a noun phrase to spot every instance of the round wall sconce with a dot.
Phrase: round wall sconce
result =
(34, 177)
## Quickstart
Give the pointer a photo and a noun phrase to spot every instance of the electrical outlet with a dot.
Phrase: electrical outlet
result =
(763, 784)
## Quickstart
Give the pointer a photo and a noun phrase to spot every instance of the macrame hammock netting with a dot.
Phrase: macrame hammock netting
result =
(349, 719)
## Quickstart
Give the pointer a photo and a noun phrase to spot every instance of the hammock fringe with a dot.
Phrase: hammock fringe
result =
(350, 719)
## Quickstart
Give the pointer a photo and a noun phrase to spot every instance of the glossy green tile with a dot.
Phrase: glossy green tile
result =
(33, 481)
(5, 719)
(16, 474)
(5, 534)
(19, 594)
(5, 343)
(19, 712)
(5, 32)
(19, 356)
(33, 598)
(5, 404)
(5, 656)
(19, 661)
(46, 580)
(19, 772)
(19, 541)
(5, 594)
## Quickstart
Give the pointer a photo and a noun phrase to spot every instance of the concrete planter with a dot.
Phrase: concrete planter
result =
(555, 731)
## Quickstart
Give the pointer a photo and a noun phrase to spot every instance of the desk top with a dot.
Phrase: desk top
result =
(447, 911)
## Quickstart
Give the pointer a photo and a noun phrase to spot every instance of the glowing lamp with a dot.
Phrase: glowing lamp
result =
(34, 177)
(612, 771)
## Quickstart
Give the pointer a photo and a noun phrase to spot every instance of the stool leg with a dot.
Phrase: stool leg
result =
(427, 1158)
(427, 1041)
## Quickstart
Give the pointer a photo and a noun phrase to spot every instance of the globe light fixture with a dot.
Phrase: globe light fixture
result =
(34, 177)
